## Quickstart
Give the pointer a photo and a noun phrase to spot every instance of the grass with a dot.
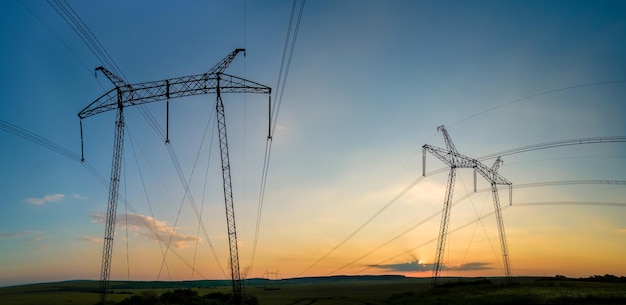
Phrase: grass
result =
(366, 292)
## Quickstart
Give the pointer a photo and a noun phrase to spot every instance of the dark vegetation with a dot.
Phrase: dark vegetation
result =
(607, 289)
(356, 290)
(186, 297)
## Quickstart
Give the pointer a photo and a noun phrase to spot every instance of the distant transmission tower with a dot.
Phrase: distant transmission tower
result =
(125, 95)
(452, 158)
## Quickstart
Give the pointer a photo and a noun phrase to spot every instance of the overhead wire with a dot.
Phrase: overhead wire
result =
(596, 140)
(39, 140)
(145, 191)
(280, 87)
(204, 188)
(68, 14)
(539, 94)
(187, 195)
(461, 199)
(75, 22)
(553, 144)
(368, 221)
(482, 225)
(126, 219)
(56, 36)
(471, 239)
(380, 264)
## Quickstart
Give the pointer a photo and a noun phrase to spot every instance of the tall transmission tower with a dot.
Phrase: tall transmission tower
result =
(452, 158)
(124, 95)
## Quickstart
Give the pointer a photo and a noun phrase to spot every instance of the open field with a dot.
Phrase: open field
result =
(348, 290)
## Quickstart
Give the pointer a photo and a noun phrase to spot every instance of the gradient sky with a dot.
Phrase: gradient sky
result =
(369, 83)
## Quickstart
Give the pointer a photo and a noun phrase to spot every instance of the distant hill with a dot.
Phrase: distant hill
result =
(93, 285)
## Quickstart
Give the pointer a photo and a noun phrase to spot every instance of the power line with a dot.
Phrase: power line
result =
(539, 94)
(553, 144)
(56, 36)
(461, 199)
(273, 117)
(560, 143)
(548, 203)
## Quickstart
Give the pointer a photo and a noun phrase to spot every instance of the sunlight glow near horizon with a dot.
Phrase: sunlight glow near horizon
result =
(369, 84)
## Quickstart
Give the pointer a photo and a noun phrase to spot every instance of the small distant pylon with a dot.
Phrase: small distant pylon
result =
(272, 283)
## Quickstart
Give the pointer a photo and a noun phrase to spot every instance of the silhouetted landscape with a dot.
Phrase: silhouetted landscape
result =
(385, 289)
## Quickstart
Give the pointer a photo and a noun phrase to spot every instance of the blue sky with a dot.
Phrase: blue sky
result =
(369, 83)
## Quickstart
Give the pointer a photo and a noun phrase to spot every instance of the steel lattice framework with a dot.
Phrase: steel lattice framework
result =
(124, 95)
(452, 158)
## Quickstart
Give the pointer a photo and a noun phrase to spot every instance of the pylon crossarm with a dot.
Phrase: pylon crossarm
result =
(451, 158)
(223, 64)
(491, 175)
(148, 92)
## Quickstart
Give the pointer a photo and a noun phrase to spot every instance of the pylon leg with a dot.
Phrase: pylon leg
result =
(443, 228)
(109, 232)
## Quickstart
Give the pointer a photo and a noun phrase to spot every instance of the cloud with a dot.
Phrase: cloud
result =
(12, 234)
(405, 267)
(474, 266)
(90, 239)
(78, 197)
(22, 234)
(416, 266)
(149, 227)
(43, 248)
(44, 199)
(623, 231)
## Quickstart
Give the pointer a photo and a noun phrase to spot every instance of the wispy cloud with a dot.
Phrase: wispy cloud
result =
(43, 248)
(90, 239)
(12, 234)
(149, 227)
(79, 197)
(24, 233)
(45, 199)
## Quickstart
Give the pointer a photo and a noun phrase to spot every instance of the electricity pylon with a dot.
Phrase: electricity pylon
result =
(452, 158)
(124, 95)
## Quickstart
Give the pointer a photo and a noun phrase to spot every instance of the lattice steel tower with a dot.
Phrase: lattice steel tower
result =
(452, 158)
(124, 95)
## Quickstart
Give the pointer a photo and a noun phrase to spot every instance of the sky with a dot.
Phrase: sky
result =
(368, 85)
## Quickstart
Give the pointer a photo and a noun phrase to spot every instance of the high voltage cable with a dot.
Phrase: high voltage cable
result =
(461, 199)
(280, 87)
(547, 203)
(56, 36)
(145, 191)
(508, 152)
(389, 203)
(67, 13)
(86, 35)
(591, 140)
(206, 178)
(188, 194)
(538, 94)
(37, 139)
(468, 196)
(161, 240)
